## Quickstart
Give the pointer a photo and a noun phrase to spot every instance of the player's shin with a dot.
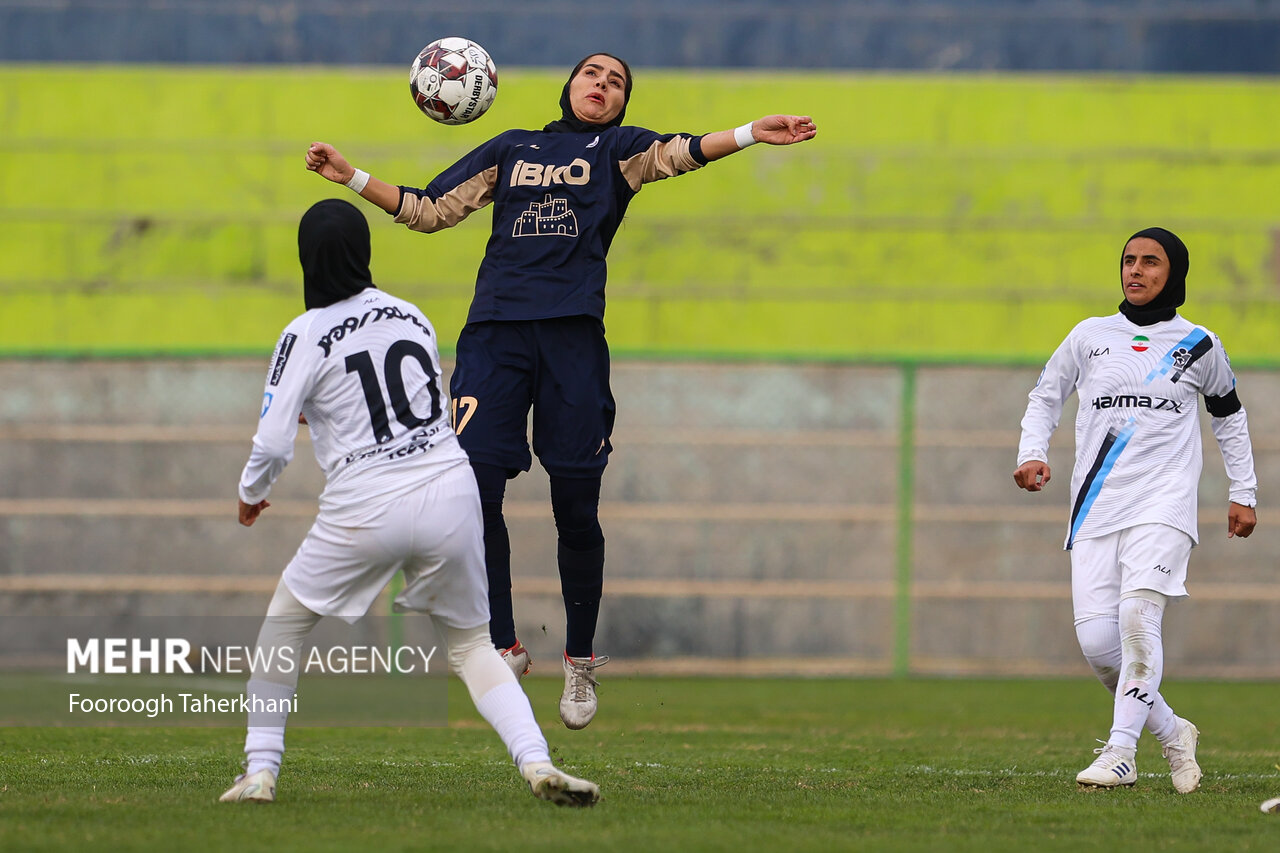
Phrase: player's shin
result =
(275, 678)
(1142, 667)
(492, 483)
(581, 585)
(495, 692)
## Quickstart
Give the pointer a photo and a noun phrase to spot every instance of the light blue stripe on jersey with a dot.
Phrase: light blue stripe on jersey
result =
(1122, 439)
(1166, 364)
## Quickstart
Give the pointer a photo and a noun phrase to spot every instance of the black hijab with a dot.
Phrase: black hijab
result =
(333, 245)
(569, 121)
(1165, 305)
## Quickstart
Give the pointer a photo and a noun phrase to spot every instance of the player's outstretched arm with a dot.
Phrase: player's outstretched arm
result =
(328, 162)
(1241, 520)
(772, 130)
(1032, 475)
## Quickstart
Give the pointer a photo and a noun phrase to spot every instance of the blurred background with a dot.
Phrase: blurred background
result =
(822, 353)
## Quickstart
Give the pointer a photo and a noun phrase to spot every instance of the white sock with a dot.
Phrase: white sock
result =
(495, 692)
(264, 743)
(507, 709)
(1100, 641)
(1143, 664)
(287, 624)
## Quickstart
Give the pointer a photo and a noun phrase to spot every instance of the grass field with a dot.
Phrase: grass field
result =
(728, 764)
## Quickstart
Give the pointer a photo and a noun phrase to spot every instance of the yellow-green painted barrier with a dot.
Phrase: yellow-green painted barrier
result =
(154, 209)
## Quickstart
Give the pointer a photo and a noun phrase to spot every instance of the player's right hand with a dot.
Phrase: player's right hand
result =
(328, 162)
(1032, 475)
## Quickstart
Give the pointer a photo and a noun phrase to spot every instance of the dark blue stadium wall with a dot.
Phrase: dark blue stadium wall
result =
(1175, 36)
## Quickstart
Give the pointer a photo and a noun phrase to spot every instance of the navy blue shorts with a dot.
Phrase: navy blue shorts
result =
(560, 368)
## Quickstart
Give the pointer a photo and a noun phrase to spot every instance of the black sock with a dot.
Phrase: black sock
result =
(492, 481)
(581, 581)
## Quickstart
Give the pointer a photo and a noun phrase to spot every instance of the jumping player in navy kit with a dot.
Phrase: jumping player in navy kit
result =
(535, 333)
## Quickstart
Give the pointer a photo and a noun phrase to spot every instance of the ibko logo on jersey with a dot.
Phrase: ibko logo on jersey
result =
(526, 174)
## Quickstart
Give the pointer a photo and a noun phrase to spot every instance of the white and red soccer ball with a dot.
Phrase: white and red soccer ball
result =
(453, 80)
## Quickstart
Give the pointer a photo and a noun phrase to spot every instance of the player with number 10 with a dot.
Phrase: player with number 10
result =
(363, 368)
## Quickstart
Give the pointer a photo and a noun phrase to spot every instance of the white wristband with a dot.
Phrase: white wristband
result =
(358, 180)
(743, 137)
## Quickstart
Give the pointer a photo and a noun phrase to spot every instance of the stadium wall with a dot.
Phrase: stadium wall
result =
(153, 209)
(789, 518)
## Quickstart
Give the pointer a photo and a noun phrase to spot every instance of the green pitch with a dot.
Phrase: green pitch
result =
(701, 764)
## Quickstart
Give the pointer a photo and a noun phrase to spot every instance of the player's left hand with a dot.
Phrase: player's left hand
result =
(784, 130)
(1240, 520)
(249, 512)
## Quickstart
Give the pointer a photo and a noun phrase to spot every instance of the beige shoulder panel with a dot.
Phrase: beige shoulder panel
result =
(660, 160)
(421, 214)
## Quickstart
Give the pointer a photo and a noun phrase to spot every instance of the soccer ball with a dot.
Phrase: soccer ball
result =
(453, 80)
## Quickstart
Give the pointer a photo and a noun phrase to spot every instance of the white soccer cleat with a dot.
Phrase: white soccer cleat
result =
(1271, 806)
(1114, 767)
(517, 657)
(257, 787)
(1181, 752)
(578, 701)
(548, 782)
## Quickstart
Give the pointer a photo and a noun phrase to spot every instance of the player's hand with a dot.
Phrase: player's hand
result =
(1032, 475)
(249, 512)
(783, 130)
(1241, 520)
(328, 162)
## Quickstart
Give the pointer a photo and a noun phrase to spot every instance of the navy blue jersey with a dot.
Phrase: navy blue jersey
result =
(558, 199)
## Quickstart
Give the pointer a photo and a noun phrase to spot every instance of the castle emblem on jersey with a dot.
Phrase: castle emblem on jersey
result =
(1141, 343)
(551, 217)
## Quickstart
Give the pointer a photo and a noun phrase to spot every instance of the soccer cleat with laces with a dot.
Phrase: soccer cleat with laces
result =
(550, 783)
(257, 787)
(517, 657)
(1271, 806)
(578, 701)
(1181, 752)
(1114, 767)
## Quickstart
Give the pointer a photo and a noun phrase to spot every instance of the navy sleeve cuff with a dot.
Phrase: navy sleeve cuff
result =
(695, 149)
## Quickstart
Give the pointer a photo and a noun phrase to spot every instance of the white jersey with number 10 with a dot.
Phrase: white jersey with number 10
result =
(366, 374)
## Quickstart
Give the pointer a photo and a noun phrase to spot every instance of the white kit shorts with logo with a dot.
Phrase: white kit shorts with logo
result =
(434, 535)
(1146, 556)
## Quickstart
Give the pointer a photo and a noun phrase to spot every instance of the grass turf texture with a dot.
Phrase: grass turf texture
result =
(683, 764)
(935, 216)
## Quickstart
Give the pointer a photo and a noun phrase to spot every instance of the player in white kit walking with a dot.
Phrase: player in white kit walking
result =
(363, 368)
(1139, 375)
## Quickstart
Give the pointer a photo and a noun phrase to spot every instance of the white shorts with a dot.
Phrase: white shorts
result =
(1146, 556)
(434, 535)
